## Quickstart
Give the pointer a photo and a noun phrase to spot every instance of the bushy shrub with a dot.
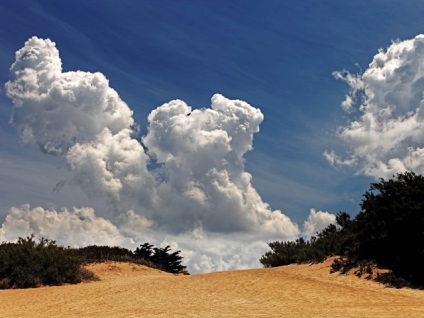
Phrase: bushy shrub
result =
(28, 264)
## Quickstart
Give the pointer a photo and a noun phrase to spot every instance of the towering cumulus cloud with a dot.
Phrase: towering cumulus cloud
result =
(386, 136)
(202, 167)
(198, 193)
(77, 116)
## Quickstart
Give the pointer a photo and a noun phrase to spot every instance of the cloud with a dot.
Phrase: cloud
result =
(222, 253)
(183, 182)
(56, 109)
(76, 227)
(115, 166)
(386, 104)
(316, 222)
(200, 153)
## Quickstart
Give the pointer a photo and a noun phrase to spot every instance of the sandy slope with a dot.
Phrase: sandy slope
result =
(292, 291)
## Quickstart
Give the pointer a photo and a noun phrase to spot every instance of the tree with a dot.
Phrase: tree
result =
(169, 262)
(390, 227)
(144, 251)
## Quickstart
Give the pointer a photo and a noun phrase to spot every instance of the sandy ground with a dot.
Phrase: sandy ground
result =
(128, 290)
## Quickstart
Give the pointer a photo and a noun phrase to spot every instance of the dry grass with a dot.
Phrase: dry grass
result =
(128, 290)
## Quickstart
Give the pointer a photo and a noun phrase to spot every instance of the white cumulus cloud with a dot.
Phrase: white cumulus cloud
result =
(197, 195)
(386, 102)
(200, 153)
(316, 222)
(56, 109)
(76, 227)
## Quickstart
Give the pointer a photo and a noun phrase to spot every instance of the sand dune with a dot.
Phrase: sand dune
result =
(128, 290)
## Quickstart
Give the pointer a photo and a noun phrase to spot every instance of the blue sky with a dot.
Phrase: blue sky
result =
(278, 56)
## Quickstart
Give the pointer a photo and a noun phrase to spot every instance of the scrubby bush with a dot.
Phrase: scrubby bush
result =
(28, 264)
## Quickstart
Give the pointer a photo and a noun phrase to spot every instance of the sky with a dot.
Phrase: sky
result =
(212, 126)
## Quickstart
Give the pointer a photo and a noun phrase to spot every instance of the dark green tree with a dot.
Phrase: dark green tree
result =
(169, 262)
(390, 227)
(144, 251)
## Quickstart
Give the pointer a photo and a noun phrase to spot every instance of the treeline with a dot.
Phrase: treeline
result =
(146, 254)
(28, 263)
(326, 243)
(388, 232)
